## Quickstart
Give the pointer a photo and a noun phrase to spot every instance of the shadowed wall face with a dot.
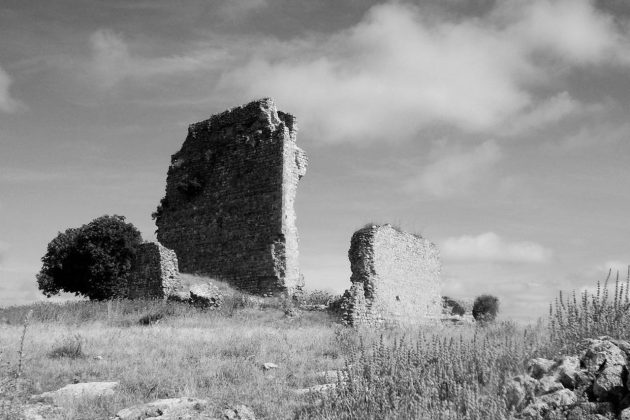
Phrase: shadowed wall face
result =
(228, 210)
(395, 278)
(154, 274)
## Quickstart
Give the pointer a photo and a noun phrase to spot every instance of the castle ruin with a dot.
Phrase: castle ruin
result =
(395, 278)
(229, 211)
(154, 272)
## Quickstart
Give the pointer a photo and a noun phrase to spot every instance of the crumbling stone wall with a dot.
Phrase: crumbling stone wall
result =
(154, 273)
(229, 205)
(395, 278)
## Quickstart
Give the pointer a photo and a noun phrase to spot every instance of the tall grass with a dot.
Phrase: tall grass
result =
(430, 376)
(572, 319)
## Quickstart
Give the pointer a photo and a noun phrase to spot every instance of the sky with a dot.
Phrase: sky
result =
(496, 129)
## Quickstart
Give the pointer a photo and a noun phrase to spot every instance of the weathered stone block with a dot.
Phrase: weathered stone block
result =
(155, 273)
(229, 211)
(395, 278)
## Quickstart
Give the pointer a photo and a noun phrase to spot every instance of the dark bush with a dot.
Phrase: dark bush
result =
(485, 308)
(70, 347)
(93, 260)
(452, 306)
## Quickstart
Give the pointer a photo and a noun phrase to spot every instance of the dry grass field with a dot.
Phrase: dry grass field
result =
(161, 349)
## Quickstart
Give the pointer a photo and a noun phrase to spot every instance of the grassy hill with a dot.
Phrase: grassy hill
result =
(159, 349)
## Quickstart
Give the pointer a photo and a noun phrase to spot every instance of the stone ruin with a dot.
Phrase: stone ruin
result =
(154, 272)
(229, 211)
(395, 278)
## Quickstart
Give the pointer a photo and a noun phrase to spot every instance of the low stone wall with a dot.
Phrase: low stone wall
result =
(395, 278)
(154, 273)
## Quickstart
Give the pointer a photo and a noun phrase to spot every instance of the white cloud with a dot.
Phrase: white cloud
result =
(397, 71)
(7, 103)
(545, 112)
(491, 247)
(400, 70)
(456, 173)
(112, 62)
(572, 30)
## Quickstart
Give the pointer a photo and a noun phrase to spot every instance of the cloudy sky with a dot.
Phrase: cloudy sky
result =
(497, 129)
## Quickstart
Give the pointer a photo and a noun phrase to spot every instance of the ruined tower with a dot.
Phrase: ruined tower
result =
(229, 211)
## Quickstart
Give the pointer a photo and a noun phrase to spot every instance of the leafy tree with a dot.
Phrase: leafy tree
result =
(93, 260)
(485, 308)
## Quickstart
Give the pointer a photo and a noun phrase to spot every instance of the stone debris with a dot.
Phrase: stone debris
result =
(269, 366)
(71, 392)
(179, 296)
(315, 388)
(395, 278)
(229, 210)
(239, 412)
(154, 272)
(41, 411)
(314, 308)
(592, 385)
(205, 295)
(167, 409)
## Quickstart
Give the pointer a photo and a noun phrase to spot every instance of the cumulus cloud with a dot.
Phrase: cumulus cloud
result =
(7, 103)
(545, 112)
(490, 247)
(575, 31)
(400, 70)
(455, 173)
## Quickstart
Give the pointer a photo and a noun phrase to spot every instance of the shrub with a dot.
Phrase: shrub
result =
(485, 308)
(573, 319)
(452, 307)
(427, 377)
(70, 347)
(93, 260)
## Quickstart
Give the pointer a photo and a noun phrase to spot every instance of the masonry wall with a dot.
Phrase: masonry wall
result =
(228, 211)
(395, 278)
(154, 272)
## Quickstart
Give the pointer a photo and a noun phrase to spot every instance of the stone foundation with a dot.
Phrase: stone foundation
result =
(395, 279)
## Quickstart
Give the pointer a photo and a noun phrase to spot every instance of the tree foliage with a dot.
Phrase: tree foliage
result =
(485, 308)
(93, 260)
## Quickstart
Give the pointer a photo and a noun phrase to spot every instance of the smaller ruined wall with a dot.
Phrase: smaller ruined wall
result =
(154, 272)
(395, 278)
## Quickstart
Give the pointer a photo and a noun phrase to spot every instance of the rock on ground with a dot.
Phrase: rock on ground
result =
(40, 411)
(167, 409)
(593, 385)
(269, 366)
(239, 412)
(316, 388)
(205, 295)
(71, 392)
